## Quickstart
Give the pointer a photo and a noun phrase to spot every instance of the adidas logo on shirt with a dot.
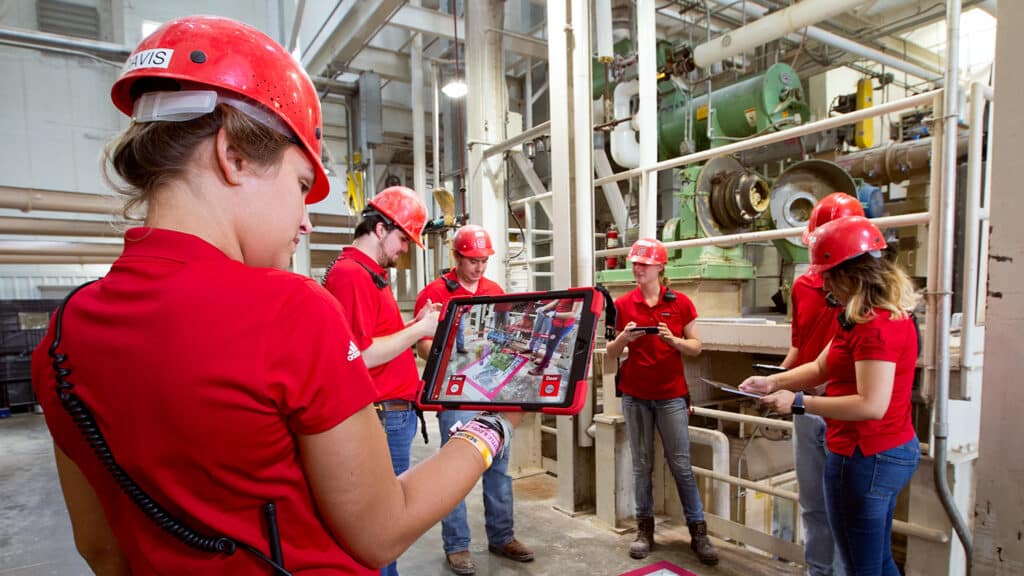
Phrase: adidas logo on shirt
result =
(353, 351)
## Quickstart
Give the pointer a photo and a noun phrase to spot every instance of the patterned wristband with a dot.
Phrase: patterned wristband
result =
(479, 443)
(486, 433)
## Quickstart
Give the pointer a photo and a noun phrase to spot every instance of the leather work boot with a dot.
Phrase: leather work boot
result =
(514, 550)
(462, 563)
(701, 544)
(641, 547)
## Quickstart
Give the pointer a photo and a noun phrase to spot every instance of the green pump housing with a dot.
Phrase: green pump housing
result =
(770, 101)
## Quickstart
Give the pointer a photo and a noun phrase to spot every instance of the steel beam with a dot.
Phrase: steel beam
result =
(351, 34)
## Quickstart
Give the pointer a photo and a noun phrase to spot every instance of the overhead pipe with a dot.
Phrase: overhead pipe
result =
(45, 40)
(58, 227)
(946, 222)
(768, 28)
(29, 199)
(83, 249)
(755, 10)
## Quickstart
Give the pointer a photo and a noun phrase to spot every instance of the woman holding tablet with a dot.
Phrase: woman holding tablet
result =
(654, 391)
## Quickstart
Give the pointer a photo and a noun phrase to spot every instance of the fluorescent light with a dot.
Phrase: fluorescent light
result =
(455, 89)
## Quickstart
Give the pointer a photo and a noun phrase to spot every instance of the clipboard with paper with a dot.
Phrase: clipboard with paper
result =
(730, 389)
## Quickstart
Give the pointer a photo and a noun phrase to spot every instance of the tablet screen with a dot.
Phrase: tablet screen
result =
(523, 351)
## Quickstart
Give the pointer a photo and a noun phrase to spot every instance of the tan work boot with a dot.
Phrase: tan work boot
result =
(514, 550)
(641, 547)
(701, 544)
(462, 563)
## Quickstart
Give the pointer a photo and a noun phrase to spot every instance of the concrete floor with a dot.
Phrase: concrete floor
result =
(36, 539)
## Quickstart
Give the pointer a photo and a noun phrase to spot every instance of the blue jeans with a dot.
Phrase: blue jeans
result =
(860, 492)
(672, 419)
(497, 497)
(460, 338)
(541, 327)
(400, 427)
(553, 341)
(809, 452)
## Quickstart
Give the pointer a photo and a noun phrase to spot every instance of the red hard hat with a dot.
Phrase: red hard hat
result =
(472, 241)
(226, 55)
(832, 207)
(403, 207)
(837, 241)
(648, 251)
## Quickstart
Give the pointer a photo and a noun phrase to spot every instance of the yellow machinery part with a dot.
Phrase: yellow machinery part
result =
(356, 193)
(865, 129)
(446, 200)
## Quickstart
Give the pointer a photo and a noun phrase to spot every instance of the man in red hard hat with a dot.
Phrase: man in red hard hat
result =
(471, 247)
(359, 280)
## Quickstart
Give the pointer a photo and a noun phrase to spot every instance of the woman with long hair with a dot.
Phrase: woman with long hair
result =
(869, 371)
(211, 413)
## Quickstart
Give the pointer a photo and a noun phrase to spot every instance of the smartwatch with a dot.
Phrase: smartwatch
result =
(798, 404)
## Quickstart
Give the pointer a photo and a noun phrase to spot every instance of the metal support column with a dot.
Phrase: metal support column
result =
(486, 105)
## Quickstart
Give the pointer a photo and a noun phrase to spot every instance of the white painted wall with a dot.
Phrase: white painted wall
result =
(40, 282)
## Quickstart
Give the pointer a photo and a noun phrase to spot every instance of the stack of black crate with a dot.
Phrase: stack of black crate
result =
(22, 326)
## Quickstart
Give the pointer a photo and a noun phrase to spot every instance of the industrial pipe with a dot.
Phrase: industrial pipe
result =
(647, 36)
(768, 28)
(59, 227)
(603, 25)
(29, 199)
(743, 418)
(625, 148)
(780, 136)
(975, 228)
(895, 162)
(719, 444)
(755, 10)
(946, 222)
(419, 143)
(45, 40)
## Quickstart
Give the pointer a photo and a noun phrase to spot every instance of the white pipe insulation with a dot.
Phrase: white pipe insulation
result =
(755, 10)
(603, 25)
(719, 444)
(625, 147)
(770, 27)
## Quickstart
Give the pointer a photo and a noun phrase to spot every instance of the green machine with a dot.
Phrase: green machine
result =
(720, 197)
(767, 102)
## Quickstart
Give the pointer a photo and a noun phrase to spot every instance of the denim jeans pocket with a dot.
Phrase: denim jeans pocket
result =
(396, 422)
(894, 468)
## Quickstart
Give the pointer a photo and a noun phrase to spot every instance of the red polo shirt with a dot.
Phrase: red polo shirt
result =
(373, 312)
(814, 321)
(564, 305)
(437, 292)
(653, 370)
(201, 371)
(881, 338)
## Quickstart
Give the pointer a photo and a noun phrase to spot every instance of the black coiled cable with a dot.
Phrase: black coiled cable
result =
(86, 423)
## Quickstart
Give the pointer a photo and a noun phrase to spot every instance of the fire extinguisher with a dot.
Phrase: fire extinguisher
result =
(611, 241)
